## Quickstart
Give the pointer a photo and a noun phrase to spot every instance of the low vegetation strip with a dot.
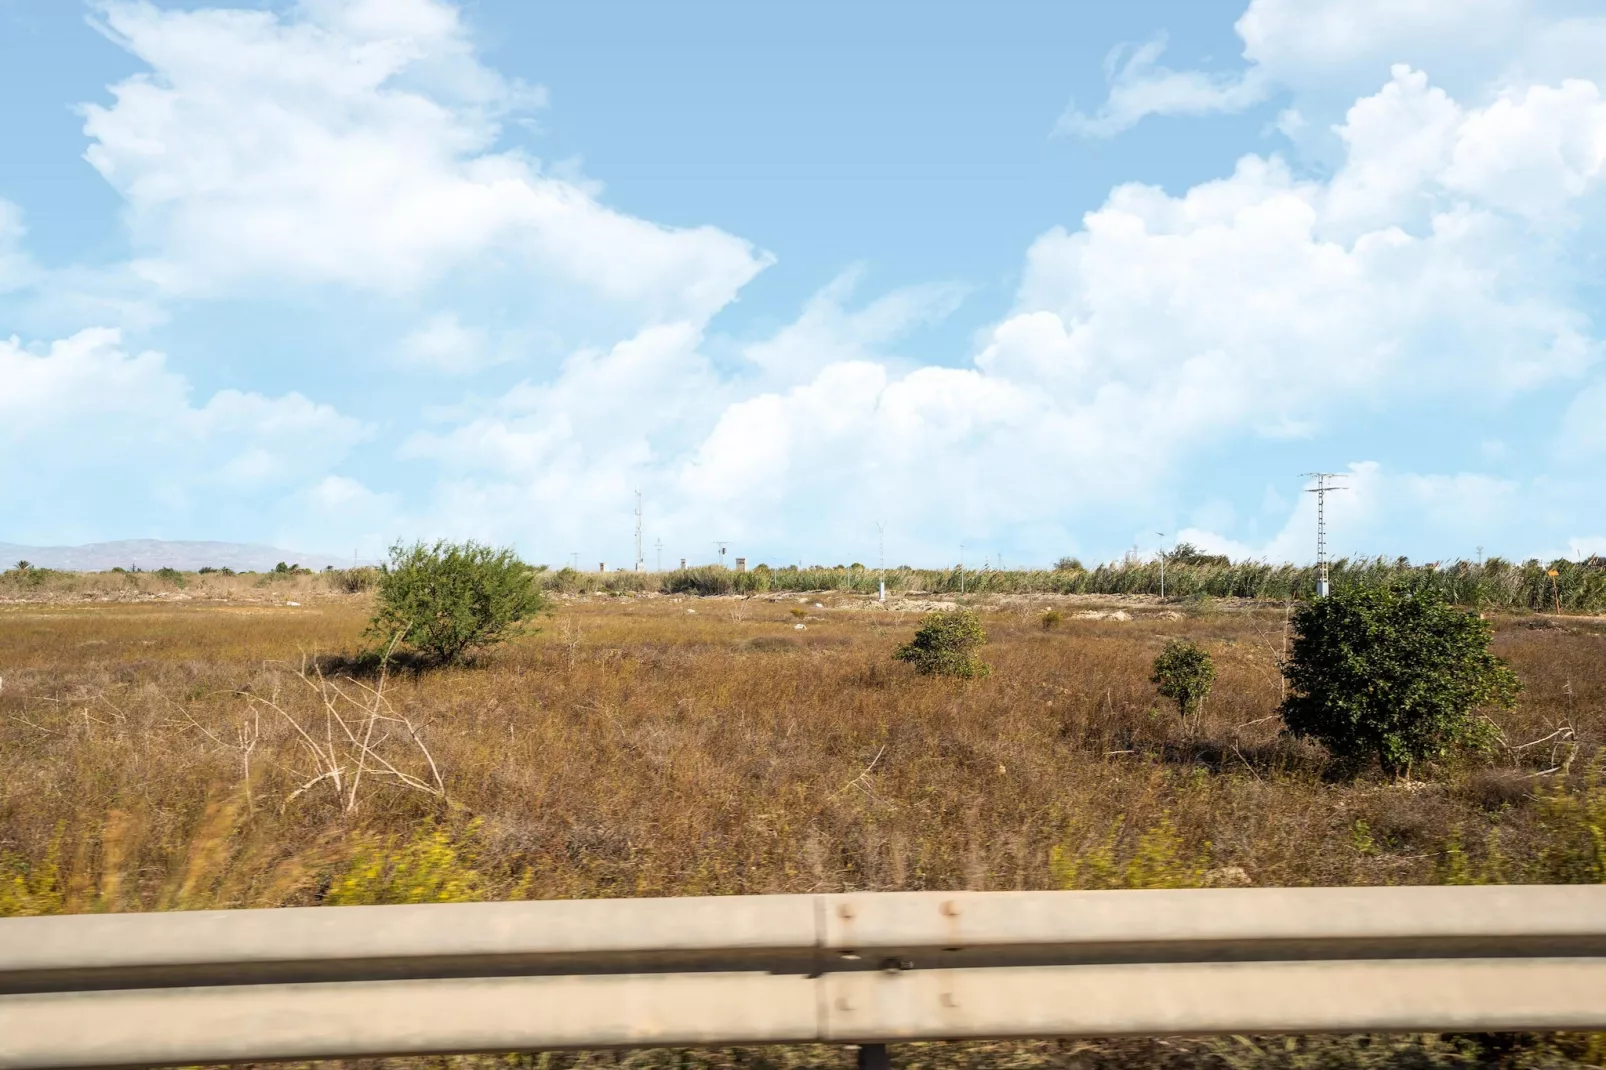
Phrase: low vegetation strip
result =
(1575, 587)
(1559, 586)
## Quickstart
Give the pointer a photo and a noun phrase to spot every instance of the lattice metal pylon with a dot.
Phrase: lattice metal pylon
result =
(1323, 587)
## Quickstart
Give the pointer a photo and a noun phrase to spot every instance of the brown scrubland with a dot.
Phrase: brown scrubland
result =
(230, 750)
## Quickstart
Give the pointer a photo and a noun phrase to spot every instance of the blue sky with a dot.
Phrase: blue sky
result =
(1035, 278)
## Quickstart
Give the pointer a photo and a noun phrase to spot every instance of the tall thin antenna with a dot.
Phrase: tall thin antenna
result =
(575, 555)
(658, 544)
(1162, 568)
(722, 544)
(1323, 588)
(881, 556)
(641, 558)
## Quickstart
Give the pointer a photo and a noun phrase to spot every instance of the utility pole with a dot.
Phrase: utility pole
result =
(722, 544)
(658, 544)
(881, 556)
(641, 559)
(575, 555)
(1323, 588)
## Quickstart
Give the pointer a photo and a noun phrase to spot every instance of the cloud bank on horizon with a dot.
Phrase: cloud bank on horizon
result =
(1414, 257)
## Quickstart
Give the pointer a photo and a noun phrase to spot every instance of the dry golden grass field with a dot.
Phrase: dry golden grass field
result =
(223, 751)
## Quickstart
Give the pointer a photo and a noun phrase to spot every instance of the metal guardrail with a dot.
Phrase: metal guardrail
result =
(858, 968)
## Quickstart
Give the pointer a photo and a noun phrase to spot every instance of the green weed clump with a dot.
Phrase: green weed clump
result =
(1574, 824)
(28, 889)
(1156, 857)
(432, 866)
(947, 644)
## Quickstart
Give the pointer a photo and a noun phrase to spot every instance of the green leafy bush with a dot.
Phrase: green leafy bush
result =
(1392, 672)
(449, 600)
(169, 575)
(1051, 619)
(947, 644)
(1184, 672)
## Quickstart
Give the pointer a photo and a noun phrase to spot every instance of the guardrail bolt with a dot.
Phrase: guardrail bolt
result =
(874, 1057)
(844, 911)
(950, 908)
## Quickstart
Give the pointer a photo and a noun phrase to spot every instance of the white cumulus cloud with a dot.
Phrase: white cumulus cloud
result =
(83, 414)
(1326, 52)
(356, 143)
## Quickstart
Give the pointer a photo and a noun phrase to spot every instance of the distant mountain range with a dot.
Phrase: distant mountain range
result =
(150, 554)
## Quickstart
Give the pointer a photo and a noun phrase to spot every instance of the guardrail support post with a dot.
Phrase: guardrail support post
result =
(874, 1057)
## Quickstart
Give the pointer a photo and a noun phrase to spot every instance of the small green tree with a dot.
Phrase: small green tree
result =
(1392, 672)
(449, 600)
(1184, 672)
(947, 644)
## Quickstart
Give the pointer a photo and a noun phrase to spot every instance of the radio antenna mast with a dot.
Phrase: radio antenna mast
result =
(641, 558)
(881, 556)
(1323, 588)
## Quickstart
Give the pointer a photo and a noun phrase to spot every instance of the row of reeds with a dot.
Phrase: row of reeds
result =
(1564, 586)
(1557, 586)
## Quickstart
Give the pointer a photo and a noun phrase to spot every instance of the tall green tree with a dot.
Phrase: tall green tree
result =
(1394, 673)
(448, 600)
